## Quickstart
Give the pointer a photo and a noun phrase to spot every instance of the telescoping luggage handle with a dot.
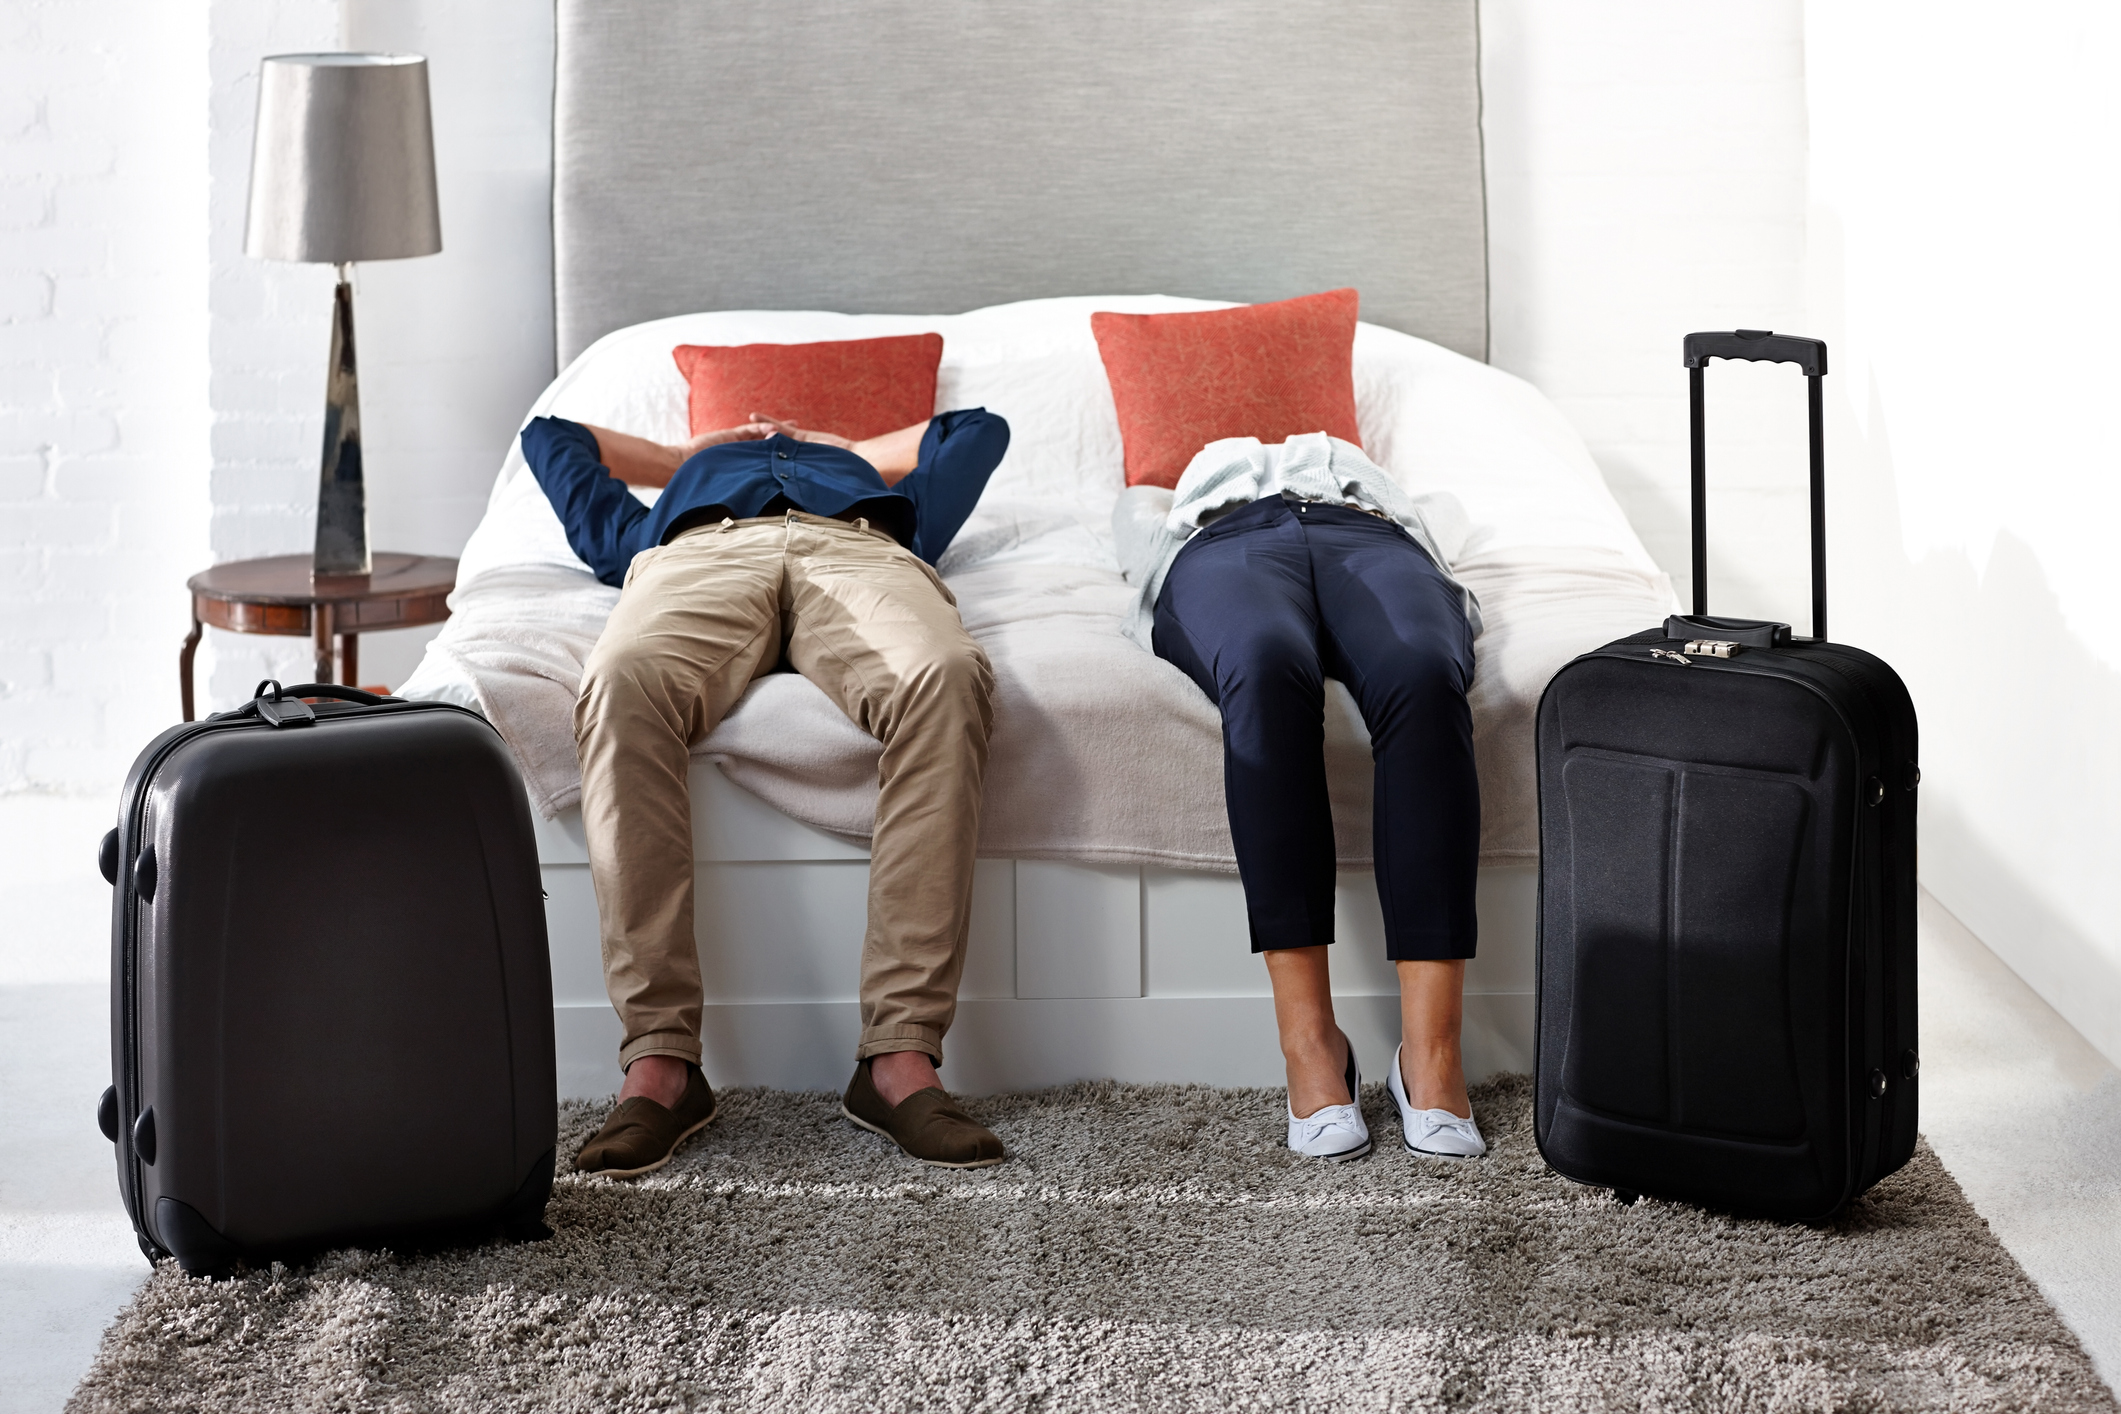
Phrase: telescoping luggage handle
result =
(1759, 346)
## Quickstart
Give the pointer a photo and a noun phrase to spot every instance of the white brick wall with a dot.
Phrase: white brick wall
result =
(269, 332)
(103, 449)
(453, 347)
(161, 393)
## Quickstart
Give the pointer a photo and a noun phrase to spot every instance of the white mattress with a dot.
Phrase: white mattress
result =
(1102, 752)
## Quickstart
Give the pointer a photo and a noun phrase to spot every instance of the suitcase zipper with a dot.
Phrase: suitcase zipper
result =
(1898, 1057)
(132, 830)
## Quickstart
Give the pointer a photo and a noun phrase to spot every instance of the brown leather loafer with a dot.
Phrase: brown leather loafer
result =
(639, 1136)
(927, 1124)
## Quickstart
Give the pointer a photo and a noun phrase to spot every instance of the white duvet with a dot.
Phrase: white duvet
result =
(1102, 752)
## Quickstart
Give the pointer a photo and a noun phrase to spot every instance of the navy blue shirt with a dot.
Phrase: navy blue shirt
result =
(607, 525)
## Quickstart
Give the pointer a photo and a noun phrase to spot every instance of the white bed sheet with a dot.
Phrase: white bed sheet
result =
(1102, 752)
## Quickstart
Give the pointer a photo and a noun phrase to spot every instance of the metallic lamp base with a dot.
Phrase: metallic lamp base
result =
(342, 499)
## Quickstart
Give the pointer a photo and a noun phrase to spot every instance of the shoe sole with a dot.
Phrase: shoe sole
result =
(675, 1145)
(932, 1163)
(1439, 1154)
(1343, 1156)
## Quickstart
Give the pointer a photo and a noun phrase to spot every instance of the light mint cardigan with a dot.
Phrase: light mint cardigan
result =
(1150, 525)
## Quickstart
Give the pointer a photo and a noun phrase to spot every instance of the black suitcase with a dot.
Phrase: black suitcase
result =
(331, 1000)
(1726, 996)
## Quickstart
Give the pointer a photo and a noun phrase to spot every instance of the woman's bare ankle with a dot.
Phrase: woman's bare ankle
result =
(1435, 1079)
(1318, 1069)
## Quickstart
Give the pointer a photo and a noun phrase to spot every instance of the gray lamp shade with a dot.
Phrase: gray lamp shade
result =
(343, 165)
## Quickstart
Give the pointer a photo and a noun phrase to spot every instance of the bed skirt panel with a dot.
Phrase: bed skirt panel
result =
(1074, 971)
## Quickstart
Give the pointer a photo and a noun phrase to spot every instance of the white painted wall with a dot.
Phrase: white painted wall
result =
(1931, 193)
(1646, 177)
(458, 345)
(103, 451)
(1965, 221)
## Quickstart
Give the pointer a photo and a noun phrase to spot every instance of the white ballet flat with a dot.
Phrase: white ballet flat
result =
(1334, 1131)
(1438, 1134)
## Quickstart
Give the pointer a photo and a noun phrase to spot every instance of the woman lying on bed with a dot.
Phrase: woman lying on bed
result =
(1267, 570)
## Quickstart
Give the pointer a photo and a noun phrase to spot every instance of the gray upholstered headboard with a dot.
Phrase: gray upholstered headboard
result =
(933, 156)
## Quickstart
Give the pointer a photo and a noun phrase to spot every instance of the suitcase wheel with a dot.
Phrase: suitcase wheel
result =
(107, 1113)
(144, 1135)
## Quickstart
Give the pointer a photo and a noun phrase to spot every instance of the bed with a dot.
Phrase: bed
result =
(1108, 937)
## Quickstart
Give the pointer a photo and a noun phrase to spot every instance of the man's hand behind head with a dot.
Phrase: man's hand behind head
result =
(750, 431)
(799, 434)
(893, 455)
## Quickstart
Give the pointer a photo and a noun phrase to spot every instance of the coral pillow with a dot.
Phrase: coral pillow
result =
(1271, 371)
(855, 387)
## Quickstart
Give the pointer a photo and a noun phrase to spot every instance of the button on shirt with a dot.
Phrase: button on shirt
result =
(607, 525)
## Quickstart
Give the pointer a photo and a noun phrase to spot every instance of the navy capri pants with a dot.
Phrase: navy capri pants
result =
(1260, 608)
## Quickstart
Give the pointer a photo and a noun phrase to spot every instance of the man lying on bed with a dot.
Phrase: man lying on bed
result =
(772, 542)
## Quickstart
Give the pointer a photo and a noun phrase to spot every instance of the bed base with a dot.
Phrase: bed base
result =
(1075, 971)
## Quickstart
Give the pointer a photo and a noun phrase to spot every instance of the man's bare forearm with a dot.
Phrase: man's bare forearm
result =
(640, 462)
(635, 460)
(895, 454)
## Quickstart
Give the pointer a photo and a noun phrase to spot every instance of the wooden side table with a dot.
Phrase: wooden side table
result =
(277, 595)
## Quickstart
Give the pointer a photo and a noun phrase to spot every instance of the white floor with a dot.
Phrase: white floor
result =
(2027, 1116)
(2023, 1111)
(68, 1261)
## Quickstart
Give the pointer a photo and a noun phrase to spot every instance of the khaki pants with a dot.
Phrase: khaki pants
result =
(874, 627)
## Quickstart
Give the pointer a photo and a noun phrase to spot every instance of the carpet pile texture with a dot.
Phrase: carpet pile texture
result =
(1145, 1248)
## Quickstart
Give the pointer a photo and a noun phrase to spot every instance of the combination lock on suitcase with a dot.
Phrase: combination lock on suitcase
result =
(331, 1015)
(1727, 896)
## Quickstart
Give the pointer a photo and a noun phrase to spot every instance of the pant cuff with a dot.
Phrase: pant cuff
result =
(1320, 936)
(882, 1040)
(1432, 946)
(661, 1043)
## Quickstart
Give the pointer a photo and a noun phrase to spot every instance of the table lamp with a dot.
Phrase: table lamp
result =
(342, 169)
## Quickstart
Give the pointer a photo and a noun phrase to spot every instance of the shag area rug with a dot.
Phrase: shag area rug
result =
(1146, 1248)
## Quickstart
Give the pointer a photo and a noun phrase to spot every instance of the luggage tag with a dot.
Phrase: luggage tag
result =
(280, 710)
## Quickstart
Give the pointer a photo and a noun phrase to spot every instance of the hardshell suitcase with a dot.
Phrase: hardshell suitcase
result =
(331, 1016)
(1726, 994)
